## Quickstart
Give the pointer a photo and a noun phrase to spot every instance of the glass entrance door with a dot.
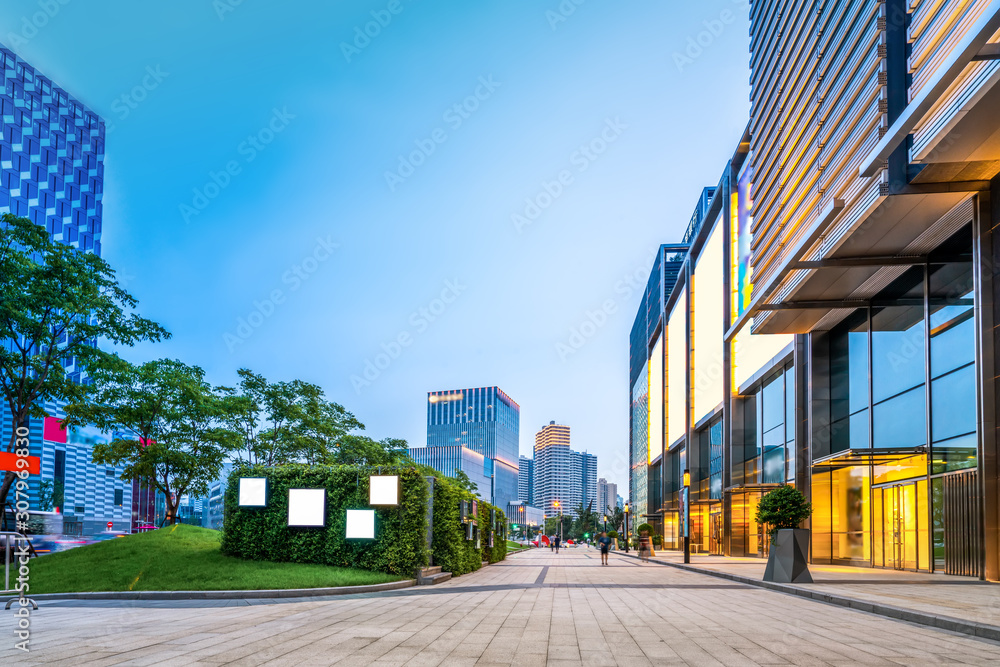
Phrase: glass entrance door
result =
(902, 541)
(715, 536)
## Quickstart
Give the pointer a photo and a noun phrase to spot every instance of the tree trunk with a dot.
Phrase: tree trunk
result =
(9, 476)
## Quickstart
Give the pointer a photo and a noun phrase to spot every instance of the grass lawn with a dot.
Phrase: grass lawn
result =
(514, 547)
(179, 558)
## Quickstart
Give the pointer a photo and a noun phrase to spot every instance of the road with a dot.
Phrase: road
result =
(534, 609)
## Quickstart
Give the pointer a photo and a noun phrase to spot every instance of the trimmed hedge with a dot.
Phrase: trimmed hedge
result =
(262, 534)
(452, 551)
(400, 532)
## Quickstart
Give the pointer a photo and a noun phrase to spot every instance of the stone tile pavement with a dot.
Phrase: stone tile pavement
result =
(963, 598)
(535, 609)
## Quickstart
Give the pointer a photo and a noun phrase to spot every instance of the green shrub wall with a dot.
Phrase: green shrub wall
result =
(451, 550)
(399, 546)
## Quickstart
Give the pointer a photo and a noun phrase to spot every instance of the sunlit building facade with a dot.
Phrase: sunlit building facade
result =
(837, 304)
(646, 373)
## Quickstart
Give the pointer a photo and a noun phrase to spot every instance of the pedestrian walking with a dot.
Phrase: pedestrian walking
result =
(557, 540)
(605, 543)
(645, 546)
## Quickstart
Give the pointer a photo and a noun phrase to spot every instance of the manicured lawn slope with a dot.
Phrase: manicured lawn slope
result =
(514, 547)
(179, 558)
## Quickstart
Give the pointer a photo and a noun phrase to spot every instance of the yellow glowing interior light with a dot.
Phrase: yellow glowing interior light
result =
(687, 478)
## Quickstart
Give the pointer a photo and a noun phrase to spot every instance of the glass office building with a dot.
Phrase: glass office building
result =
(447, 459)
(486, 421)
(52, 172)
(835, 316)
(646, 359)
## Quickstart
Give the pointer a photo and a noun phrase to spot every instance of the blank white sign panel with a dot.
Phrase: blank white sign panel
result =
(306, 507)
(360, 524)
(253, 491)
(383, 490)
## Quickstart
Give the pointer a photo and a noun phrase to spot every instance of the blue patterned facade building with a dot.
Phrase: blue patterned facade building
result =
(52, 172)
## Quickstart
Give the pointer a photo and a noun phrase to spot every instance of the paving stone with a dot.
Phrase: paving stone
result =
(626, 614)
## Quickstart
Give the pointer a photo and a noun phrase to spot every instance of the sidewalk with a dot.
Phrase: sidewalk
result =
(962, 604)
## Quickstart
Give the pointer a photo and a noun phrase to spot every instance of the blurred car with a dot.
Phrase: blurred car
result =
(44, 544)
(107, 535)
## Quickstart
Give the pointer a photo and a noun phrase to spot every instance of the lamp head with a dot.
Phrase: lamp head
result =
(687, 478)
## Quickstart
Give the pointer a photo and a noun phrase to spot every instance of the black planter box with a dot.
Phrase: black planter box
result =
(788, 563)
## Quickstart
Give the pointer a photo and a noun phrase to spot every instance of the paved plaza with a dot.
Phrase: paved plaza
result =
(536, 608)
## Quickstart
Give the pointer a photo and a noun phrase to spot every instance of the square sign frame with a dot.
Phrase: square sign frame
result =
(360, 525)
(383, 490)
(252, 492)
(306, 508)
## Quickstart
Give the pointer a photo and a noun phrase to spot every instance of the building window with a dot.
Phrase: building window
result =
(119, 497)
(952, 372)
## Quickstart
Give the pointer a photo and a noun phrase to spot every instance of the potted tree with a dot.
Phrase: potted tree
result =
(781, 511)
(613, 534)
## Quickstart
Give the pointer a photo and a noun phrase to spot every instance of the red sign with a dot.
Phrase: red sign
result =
(8, 461)
(110, 523)
(53, 431)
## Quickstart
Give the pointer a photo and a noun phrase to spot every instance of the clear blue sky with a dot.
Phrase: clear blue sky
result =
(193, 89)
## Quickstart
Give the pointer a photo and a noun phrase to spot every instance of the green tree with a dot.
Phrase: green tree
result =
(355, 449)
(177, 421)
(784, 507)
(50, 495)
(285, 422)
(55, 304)
(464, 482)
(616, 519)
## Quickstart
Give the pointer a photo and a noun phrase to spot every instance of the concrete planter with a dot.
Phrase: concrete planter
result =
(788, 563)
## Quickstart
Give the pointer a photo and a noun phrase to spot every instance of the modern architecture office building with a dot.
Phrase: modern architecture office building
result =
(646, 355)
(564, 479)
(486, 421)
(607, 496)
(835, 315)
(526, 480)
(522, 515)
(52, 172)
(451, 458)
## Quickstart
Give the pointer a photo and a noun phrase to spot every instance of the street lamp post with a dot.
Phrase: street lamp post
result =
(559, 507)
(626, 527)
(605, 523)
(686, 518)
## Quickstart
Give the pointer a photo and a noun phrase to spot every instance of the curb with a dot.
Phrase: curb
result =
(227, 595)
(951, 623)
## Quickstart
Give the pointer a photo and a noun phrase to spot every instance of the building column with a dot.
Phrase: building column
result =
(986, 259)
(803, 458)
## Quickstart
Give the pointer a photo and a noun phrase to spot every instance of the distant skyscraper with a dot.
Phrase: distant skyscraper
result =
(607, 496)
(526, 480)
(485, 421)
(588, 480)
(561, 475)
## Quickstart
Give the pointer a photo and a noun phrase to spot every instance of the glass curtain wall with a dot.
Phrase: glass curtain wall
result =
(902, 442)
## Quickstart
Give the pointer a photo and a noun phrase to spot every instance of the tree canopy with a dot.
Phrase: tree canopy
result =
(56, 303)
(169, 424)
